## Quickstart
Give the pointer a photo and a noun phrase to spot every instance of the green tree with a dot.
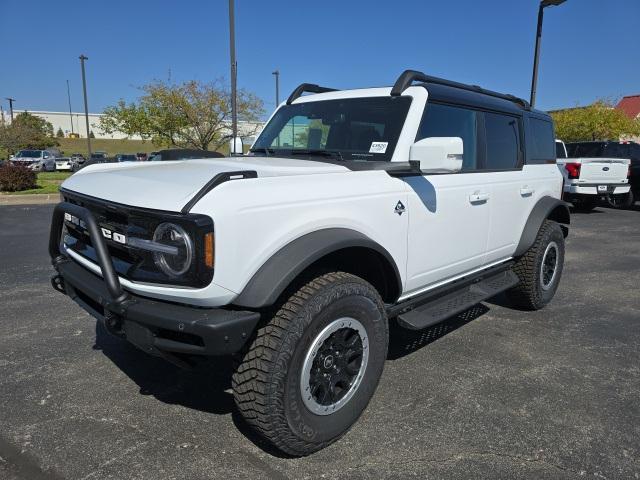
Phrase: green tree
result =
(91, 134)
(60, 133)
(599, 121)
(35, 123)
(26, 131)
(189, 115)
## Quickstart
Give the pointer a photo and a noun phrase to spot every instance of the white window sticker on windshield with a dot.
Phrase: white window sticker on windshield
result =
(378, 147)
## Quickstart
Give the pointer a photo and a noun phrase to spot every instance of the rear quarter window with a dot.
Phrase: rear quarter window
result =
(541, 144)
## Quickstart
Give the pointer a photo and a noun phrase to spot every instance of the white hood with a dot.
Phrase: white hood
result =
(170, 185)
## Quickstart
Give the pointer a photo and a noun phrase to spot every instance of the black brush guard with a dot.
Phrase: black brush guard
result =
(160, 328)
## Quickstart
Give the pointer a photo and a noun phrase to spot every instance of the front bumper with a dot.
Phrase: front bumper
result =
(157, 327)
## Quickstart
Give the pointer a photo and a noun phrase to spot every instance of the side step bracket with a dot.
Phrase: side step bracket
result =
(439, 308)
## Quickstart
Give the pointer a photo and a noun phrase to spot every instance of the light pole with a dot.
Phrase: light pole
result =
(11, 100)
(277, 75)
(534, 79)
(234, 75)
(69, 98)
(86, 106)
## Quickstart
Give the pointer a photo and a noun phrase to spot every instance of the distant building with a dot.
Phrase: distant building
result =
(630, 105)
(75, 123)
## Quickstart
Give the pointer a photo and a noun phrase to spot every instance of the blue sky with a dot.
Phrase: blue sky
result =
(589, 50)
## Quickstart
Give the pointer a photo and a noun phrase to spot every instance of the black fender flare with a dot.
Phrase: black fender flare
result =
(273, 277)
(547, 207)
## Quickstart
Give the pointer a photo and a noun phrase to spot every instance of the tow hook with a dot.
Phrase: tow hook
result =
(113, 323)
(57, 282)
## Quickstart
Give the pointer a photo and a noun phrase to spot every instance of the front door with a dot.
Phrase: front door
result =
(449, 214)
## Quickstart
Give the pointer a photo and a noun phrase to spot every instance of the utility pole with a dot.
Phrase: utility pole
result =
(11, 100)
(86, 106)
(69, 98)
(234, 75)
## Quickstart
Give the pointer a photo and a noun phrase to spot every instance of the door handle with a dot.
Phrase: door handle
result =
(478, 197)
(527, 191)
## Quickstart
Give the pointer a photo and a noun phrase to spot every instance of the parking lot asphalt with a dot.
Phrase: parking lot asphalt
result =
(493, 393)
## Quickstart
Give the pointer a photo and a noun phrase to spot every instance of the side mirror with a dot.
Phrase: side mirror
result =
(438, 154)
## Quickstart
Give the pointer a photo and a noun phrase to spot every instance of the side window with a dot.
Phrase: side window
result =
(541, 141)
(448, 121)
(502, 140)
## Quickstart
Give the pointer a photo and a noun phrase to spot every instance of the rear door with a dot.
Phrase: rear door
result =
(515, 187)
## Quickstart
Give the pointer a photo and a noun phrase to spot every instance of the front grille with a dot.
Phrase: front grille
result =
(136, 264)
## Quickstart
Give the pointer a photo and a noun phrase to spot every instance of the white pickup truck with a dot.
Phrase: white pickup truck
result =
(588, 180)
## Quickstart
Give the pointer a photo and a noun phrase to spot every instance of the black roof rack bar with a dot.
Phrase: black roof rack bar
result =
(310, 88)
(409, 76)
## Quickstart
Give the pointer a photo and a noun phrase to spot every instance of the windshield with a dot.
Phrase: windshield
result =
(128, 158)
(362, 129)
(29, 154)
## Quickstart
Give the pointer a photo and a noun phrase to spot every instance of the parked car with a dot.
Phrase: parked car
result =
(37, 160)
(97, 156)
(142, 157)
(78, 158)
(589, 179)
(616, 149)
(413, 202)
(65, 164)
(183, 154)
(126, 157)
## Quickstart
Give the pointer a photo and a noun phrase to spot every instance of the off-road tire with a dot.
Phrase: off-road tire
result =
(529, 294)
(623, 202)
(266, 382)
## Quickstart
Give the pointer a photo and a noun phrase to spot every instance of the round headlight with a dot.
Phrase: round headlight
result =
(173, 264)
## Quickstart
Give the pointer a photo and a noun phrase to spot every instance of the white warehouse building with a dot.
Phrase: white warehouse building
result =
(75, 123)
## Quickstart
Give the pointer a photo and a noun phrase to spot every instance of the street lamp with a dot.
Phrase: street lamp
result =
(534, 80)
(86, 107)
(277, 75)
(234, 75)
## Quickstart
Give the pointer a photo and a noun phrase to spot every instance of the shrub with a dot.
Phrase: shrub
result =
(16, 178)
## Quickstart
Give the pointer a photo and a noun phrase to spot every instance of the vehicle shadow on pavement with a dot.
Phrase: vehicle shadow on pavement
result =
(204, 388)
(403, 342)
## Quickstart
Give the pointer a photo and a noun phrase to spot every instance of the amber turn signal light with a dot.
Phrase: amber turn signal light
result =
(209, 250)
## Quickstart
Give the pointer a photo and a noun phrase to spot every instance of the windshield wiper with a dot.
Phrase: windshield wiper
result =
(319, 152)
(266, 150)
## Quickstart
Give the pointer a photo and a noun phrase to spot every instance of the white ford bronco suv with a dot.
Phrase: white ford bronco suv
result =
(354, 207)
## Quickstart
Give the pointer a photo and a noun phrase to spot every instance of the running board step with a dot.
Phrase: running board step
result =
(450, 304)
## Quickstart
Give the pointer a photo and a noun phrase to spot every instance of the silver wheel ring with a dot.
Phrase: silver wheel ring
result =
(553, 246)
(305, 376)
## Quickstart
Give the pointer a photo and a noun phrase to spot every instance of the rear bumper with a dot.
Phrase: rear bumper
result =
(592, 189)
(157, 327)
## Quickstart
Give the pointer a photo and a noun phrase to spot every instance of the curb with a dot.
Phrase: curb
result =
(31, 199)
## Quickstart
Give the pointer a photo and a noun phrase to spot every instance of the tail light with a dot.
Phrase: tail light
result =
(573, 170)
(629, 171)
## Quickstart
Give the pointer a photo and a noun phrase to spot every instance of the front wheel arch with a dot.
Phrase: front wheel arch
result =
(323, 250)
